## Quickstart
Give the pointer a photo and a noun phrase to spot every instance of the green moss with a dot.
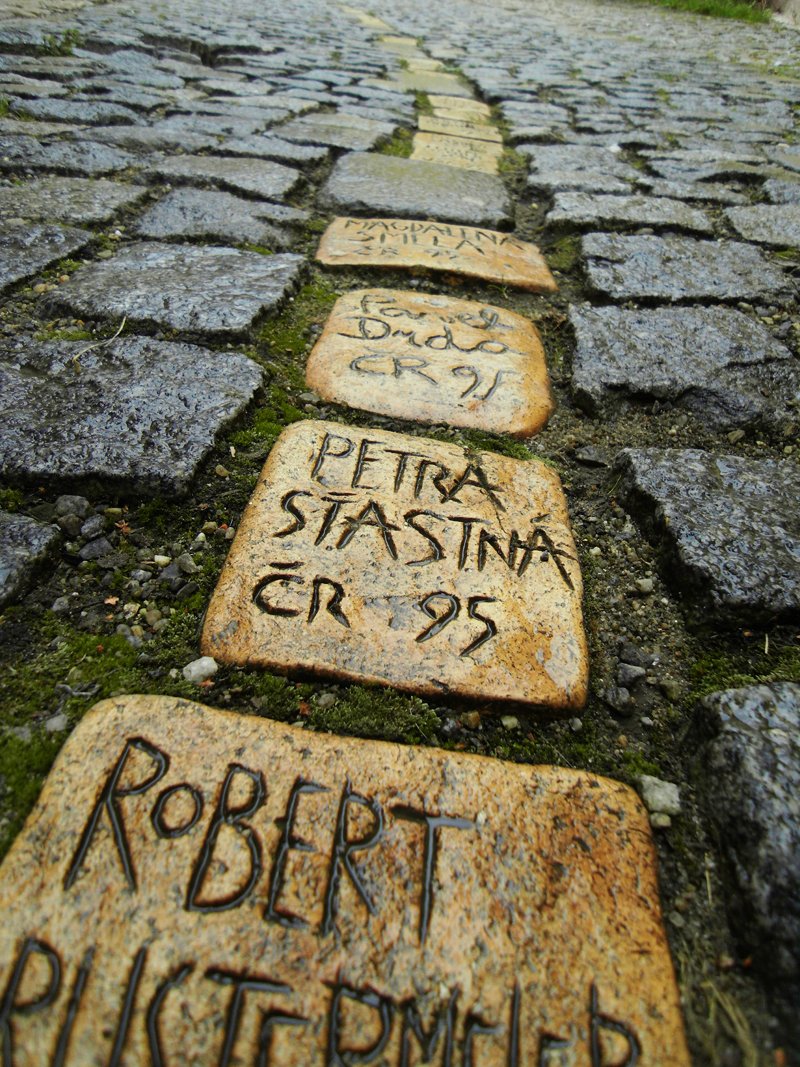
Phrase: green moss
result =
(10, 499)
(379, 713)
(636, 765)
(564, 254)
(24, 765)
(288, 334)
(262, 250)
(423, 103)
(5, 107)
(512, 164)
(400, 144)
(67, 333)
(481, 441)
(268, 421)
(725, 9)
(721, 668)
(61, 44)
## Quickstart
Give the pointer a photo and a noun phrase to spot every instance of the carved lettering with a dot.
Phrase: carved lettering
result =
(342, 858)
(288, 842)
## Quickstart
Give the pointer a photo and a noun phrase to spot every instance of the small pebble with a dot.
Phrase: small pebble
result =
(471, 719)
(325, 700)
(162, 561)
(660, 821)
(200, 670)
(56, 723)
(510, 722)
(660, 796)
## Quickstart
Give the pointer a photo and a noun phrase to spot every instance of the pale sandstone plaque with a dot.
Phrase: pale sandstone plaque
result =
(200, 887)
(459, 128)
(380, 557)
(474, 253)
(433, 359)
(460, 103)
(461, 152)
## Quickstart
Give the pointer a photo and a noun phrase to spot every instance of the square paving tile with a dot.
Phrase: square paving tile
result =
(207, 887)
(379, 557)
(479, 131)
(459, 103)
(456, 152)
(474, 253)
(433, 359)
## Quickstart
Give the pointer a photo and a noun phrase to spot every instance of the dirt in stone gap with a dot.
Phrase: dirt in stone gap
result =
(130, 622)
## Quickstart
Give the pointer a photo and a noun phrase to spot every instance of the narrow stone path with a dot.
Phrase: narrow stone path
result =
(542, 263)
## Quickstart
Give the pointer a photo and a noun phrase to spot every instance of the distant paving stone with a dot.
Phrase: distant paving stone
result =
(214, 125)
(136, 416)
(84, 158)
(425, 82)
(81, 111)
(254, 177)
(392, 866)
(25, 545)
(337, 130)
(215, 216)
(585, 209)
(402, 243)
(781, 191)
(84, 200)
(457, 152)
(777, 225)
(752, 777)
(711, 191)
(481, 131)
(153, 138)
(729, 526)
(698, 170)
(588, 168)
(198, 290)
(369, 182)
(681, 268)
(27, 249)
(268, 147)
(716, 362)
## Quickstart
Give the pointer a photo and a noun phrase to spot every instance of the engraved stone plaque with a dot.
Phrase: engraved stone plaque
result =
(480, 131)
(459, 103)
(430, 358)
(463, 152)
(474, 253)
(200, 887)
(381, 557)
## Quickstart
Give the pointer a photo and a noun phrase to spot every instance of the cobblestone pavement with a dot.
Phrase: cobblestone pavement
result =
(166, 172)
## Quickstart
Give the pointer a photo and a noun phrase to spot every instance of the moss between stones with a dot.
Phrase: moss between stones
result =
(759, 660)
(378, 713)
(399, 144)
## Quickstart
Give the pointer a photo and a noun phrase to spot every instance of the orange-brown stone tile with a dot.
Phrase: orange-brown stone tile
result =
(459, 103)
(196, 886)
(430, 358)
(380, 557)
(464, 152)
(465, 250)
(480, 131)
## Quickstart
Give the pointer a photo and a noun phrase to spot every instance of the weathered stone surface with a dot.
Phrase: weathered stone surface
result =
(370, 182)
(457, 152)
(254, 177)
(84, 200)
(135, 416)
(433, 359)
(681, 268)
(716, 362)
(752, 778)
(268, 147)
(404, 579)
(777, 225)
(84, 159)
(586, 209)
(25, 545)
(459, 103)
(216, 216)
(338, 130)
(25, 249)
(198, 290)
(480, 131)
(712, 192)
(426, 82)
(729, 526)
(498, 257)
(154, 138)
(81, 111)
(359, 920)
(591, 168)
(779, 191)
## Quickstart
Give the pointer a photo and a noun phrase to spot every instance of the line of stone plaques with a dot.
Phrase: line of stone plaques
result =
(374, 556)
(430, 358)
(407, 243)
(203, 887)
